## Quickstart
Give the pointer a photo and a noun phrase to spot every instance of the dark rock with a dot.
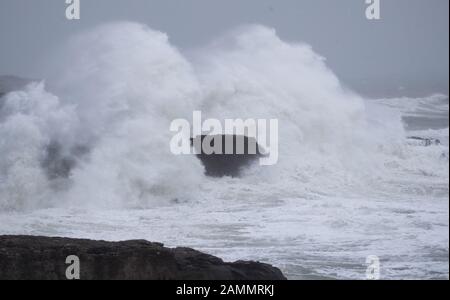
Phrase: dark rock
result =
(9, 84)
(44, 258)
(12, 83)
(425, 141)
(59, 162)
(227, 163)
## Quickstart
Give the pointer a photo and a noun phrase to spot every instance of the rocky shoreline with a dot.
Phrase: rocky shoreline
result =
(44, 258)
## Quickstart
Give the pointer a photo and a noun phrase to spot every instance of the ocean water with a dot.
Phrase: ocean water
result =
(348, 184)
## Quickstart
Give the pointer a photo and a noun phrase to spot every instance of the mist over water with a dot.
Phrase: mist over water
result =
(85, 153)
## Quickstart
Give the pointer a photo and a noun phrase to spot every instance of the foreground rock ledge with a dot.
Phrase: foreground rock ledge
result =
(44, 258)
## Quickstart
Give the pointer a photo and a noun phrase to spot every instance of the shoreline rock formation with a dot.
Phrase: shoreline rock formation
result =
(44, 258)
(223, 164)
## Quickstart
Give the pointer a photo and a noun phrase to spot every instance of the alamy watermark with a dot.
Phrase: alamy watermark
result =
(373, 10)
(73, 10)
(73, 270)
(264, 132)
(373, 267)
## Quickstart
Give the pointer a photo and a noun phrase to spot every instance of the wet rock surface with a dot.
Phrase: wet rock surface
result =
(44, 258)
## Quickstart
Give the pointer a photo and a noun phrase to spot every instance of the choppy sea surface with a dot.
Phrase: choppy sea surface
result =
(356, 177)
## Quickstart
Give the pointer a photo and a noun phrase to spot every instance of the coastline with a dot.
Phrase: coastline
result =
(46, 258)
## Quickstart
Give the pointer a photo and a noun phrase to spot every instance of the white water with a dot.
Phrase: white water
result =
(348, 184)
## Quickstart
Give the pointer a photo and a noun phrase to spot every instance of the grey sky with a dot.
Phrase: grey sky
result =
(407, 48)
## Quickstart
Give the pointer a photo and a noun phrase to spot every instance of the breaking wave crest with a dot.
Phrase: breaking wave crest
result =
(96, 132)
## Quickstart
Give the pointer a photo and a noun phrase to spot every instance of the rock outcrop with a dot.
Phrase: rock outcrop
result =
(44, 258)
(223, 163)
(9, 84)
(422, 141)
(12, 83)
